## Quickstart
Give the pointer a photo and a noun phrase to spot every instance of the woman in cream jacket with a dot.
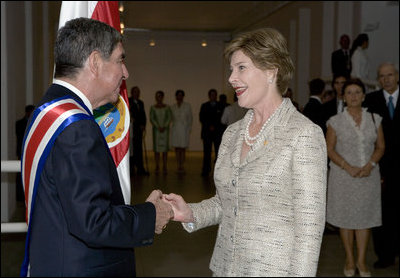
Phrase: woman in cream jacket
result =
(270, 174)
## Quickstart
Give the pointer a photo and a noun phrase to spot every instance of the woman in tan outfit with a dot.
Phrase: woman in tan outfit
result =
(270, 174)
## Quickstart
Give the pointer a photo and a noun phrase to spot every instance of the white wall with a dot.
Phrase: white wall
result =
(178, 61)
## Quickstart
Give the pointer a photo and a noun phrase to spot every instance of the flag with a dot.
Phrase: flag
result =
(113, 119)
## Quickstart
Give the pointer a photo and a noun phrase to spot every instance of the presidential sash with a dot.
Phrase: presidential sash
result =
(48, 121)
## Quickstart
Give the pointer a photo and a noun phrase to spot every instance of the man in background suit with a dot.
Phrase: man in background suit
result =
(340, 59)
(335, 105)
(79, 224)
(313, 108)
(20, 127)
(385, 102)
(211, 127)
(138, 116)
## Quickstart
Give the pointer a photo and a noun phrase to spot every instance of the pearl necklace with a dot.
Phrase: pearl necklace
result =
(247, 137)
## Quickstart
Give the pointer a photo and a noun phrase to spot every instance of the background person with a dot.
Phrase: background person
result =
(160, 118)
(138, 125)
(355, 145)
(313, 108)
(233, 112)
(211, 129)
(359, 57)
(340, 59)
(270, 175)
(182, 120)
(385, 102)
(335, 105)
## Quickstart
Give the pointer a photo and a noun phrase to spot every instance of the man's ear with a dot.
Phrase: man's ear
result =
(94, 62)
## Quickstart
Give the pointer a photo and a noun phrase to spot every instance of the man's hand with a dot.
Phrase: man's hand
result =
(164, 211)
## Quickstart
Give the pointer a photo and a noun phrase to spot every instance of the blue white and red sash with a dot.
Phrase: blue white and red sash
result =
(48, 121)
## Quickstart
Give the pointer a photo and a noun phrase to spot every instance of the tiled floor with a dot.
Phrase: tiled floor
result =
(175, 252)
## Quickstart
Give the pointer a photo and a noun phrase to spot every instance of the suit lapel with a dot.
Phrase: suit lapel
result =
(396, 110)
(382, 105)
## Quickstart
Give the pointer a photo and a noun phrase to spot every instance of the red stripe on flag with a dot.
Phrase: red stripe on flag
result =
(116, 152)
(107, 12)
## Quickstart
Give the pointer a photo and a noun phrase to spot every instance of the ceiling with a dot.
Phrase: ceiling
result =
(196, 16)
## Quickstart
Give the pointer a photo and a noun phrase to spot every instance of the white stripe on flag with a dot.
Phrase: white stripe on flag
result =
(75, 9)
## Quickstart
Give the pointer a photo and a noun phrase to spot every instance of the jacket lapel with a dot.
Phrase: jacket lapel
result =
(238, 141)
(266, 144)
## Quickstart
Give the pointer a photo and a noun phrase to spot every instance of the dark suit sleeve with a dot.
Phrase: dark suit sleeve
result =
(20, 126)
(202, 114)
(333, 63)
(144, 118)
(89, 193)
(313, 111)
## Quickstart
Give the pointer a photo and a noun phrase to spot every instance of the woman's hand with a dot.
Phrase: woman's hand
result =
(182, 211)
(353, 171)
(366, 170)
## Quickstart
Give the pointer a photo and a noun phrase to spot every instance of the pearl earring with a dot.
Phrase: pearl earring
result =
(270, 81)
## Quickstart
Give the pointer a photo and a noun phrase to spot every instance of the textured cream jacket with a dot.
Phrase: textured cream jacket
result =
(271, 207)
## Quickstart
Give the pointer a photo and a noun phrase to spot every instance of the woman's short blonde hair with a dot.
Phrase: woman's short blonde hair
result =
(267, 49)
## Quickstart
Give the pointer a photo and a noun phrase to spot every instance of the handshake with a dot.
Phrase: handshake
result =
(169, 206)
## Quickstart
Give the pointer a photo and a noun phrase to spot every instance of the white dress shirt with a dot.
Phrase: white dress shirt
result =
(395, 96)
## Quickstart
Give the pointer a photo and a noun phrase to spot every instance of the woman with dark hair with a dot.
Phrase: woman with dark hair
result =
(355, 145)
(359, 58)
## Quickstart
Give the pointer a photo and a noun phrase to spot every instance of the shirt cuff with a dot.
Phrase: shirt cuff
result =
(189, 227)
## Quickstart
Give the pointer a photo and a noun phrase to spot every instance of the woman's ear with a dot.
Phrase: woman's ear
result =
(271, 75)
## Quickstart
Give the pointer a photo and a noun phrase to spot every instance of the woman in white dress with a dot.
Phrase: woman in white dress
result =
(180, 130)
(355, 144)
(359, 58)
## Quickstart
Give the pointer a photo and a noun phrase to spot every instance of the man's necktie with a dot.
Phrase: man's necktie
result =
(340, 106)
(391, 107)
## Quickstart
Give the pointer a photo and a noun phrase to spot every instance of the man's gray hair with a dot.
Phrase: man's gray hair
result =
(77, 39)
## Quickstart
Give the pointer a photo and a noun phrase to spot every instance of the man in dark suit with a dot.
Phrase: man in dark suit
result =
(340, 59)
(313, 108)
(138, 116)
(335, 105)
(79, 224)
(211, 129)
(20, 127)
(385, 102)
